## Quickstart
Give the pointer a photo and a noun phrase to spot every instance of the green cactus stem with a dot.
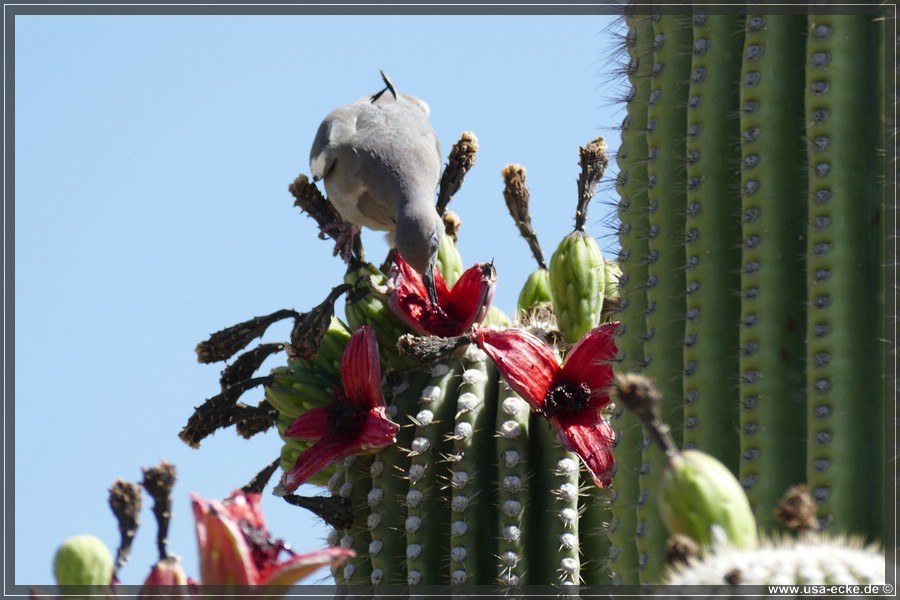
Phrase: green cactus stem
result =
(427, 513)
(772, 323)
(389, 471)
(473, 529)
(843, 371)
(666, 134)
(555, 498)
(354, 483)
(633, 231)
(514, 486)
(712, 224)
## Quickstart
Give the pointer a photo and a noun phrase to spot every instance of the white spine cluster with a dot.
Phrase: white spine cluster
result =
(512, 406)
(416, 473)
(420, 445)
(813, 559)
(375, 497)
(472, 377)
(467, 401)
(439, 370)
(463, 431)
(414, 498)
(510, 459)
(430, 393)
(459, 503)
(510, 430)
(512, 508)
(425, 417)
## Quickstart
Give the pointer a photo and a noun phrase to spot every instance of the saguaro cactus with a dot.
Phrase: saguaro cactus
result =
(747, 286)
(769, 338)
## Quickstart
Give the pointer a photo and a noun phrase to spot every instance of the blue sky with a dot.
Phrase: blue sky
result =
(153, 155)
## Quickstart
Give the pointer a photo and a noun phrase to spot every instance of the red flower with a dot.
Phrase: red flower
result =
(458, 308)
(236, 548)
(571, 395)
(355, 422)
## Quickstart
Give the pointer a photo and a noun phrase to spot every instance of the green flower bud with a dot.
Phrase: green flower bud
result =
(696, 492)
(83, 560)
(536, 291)
(577, 281)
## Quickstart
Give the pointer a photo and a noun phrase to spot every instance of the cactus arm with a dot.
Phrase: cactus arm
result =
(712, 226)
(389, 470)
(555, 514)
(666, 133)
(772, 291)
(633, 228)
(427, 514)
(514, 486)
(843, 372)
(473, 534)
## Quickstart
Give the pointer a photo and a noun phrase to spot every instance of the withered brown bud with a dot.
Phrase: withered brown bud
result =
(593, 160)
(428, 348)
(224, 344)
(159, 481)
(125, 502)
(462, 158)
(797, 509)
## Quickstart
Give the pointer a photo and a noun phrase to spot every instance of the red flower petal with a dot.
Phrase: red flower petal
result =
(526, 363)
(311, 425)
(590, 361)
(592, 439)
(457, 309)
(314, 459)
(471, 295)
(225, 558)
(301, 565)
(361, 369)
(379, 431)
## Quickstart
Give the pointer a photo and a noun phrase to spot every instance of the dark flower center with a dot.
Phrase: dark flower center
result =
(567, 398)
(263, 548)
(433, 319)
(344, 417)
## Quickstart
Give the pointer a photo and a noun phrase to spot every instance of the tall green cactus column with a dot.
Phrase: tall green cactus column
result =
(844, 371)
(666, 134)
(633, 229)
(712, 225)
(773, 294)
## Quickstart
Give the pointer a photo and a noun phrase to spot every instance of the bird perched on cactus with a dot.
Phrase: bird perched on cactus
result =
(380, 160)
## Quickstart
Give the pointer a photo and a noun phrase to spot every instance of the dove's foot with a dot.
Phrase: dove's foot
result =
(343, 244)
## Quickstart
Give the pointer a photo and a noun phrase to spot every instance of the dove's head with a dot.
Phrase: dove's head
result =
(417, 238)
